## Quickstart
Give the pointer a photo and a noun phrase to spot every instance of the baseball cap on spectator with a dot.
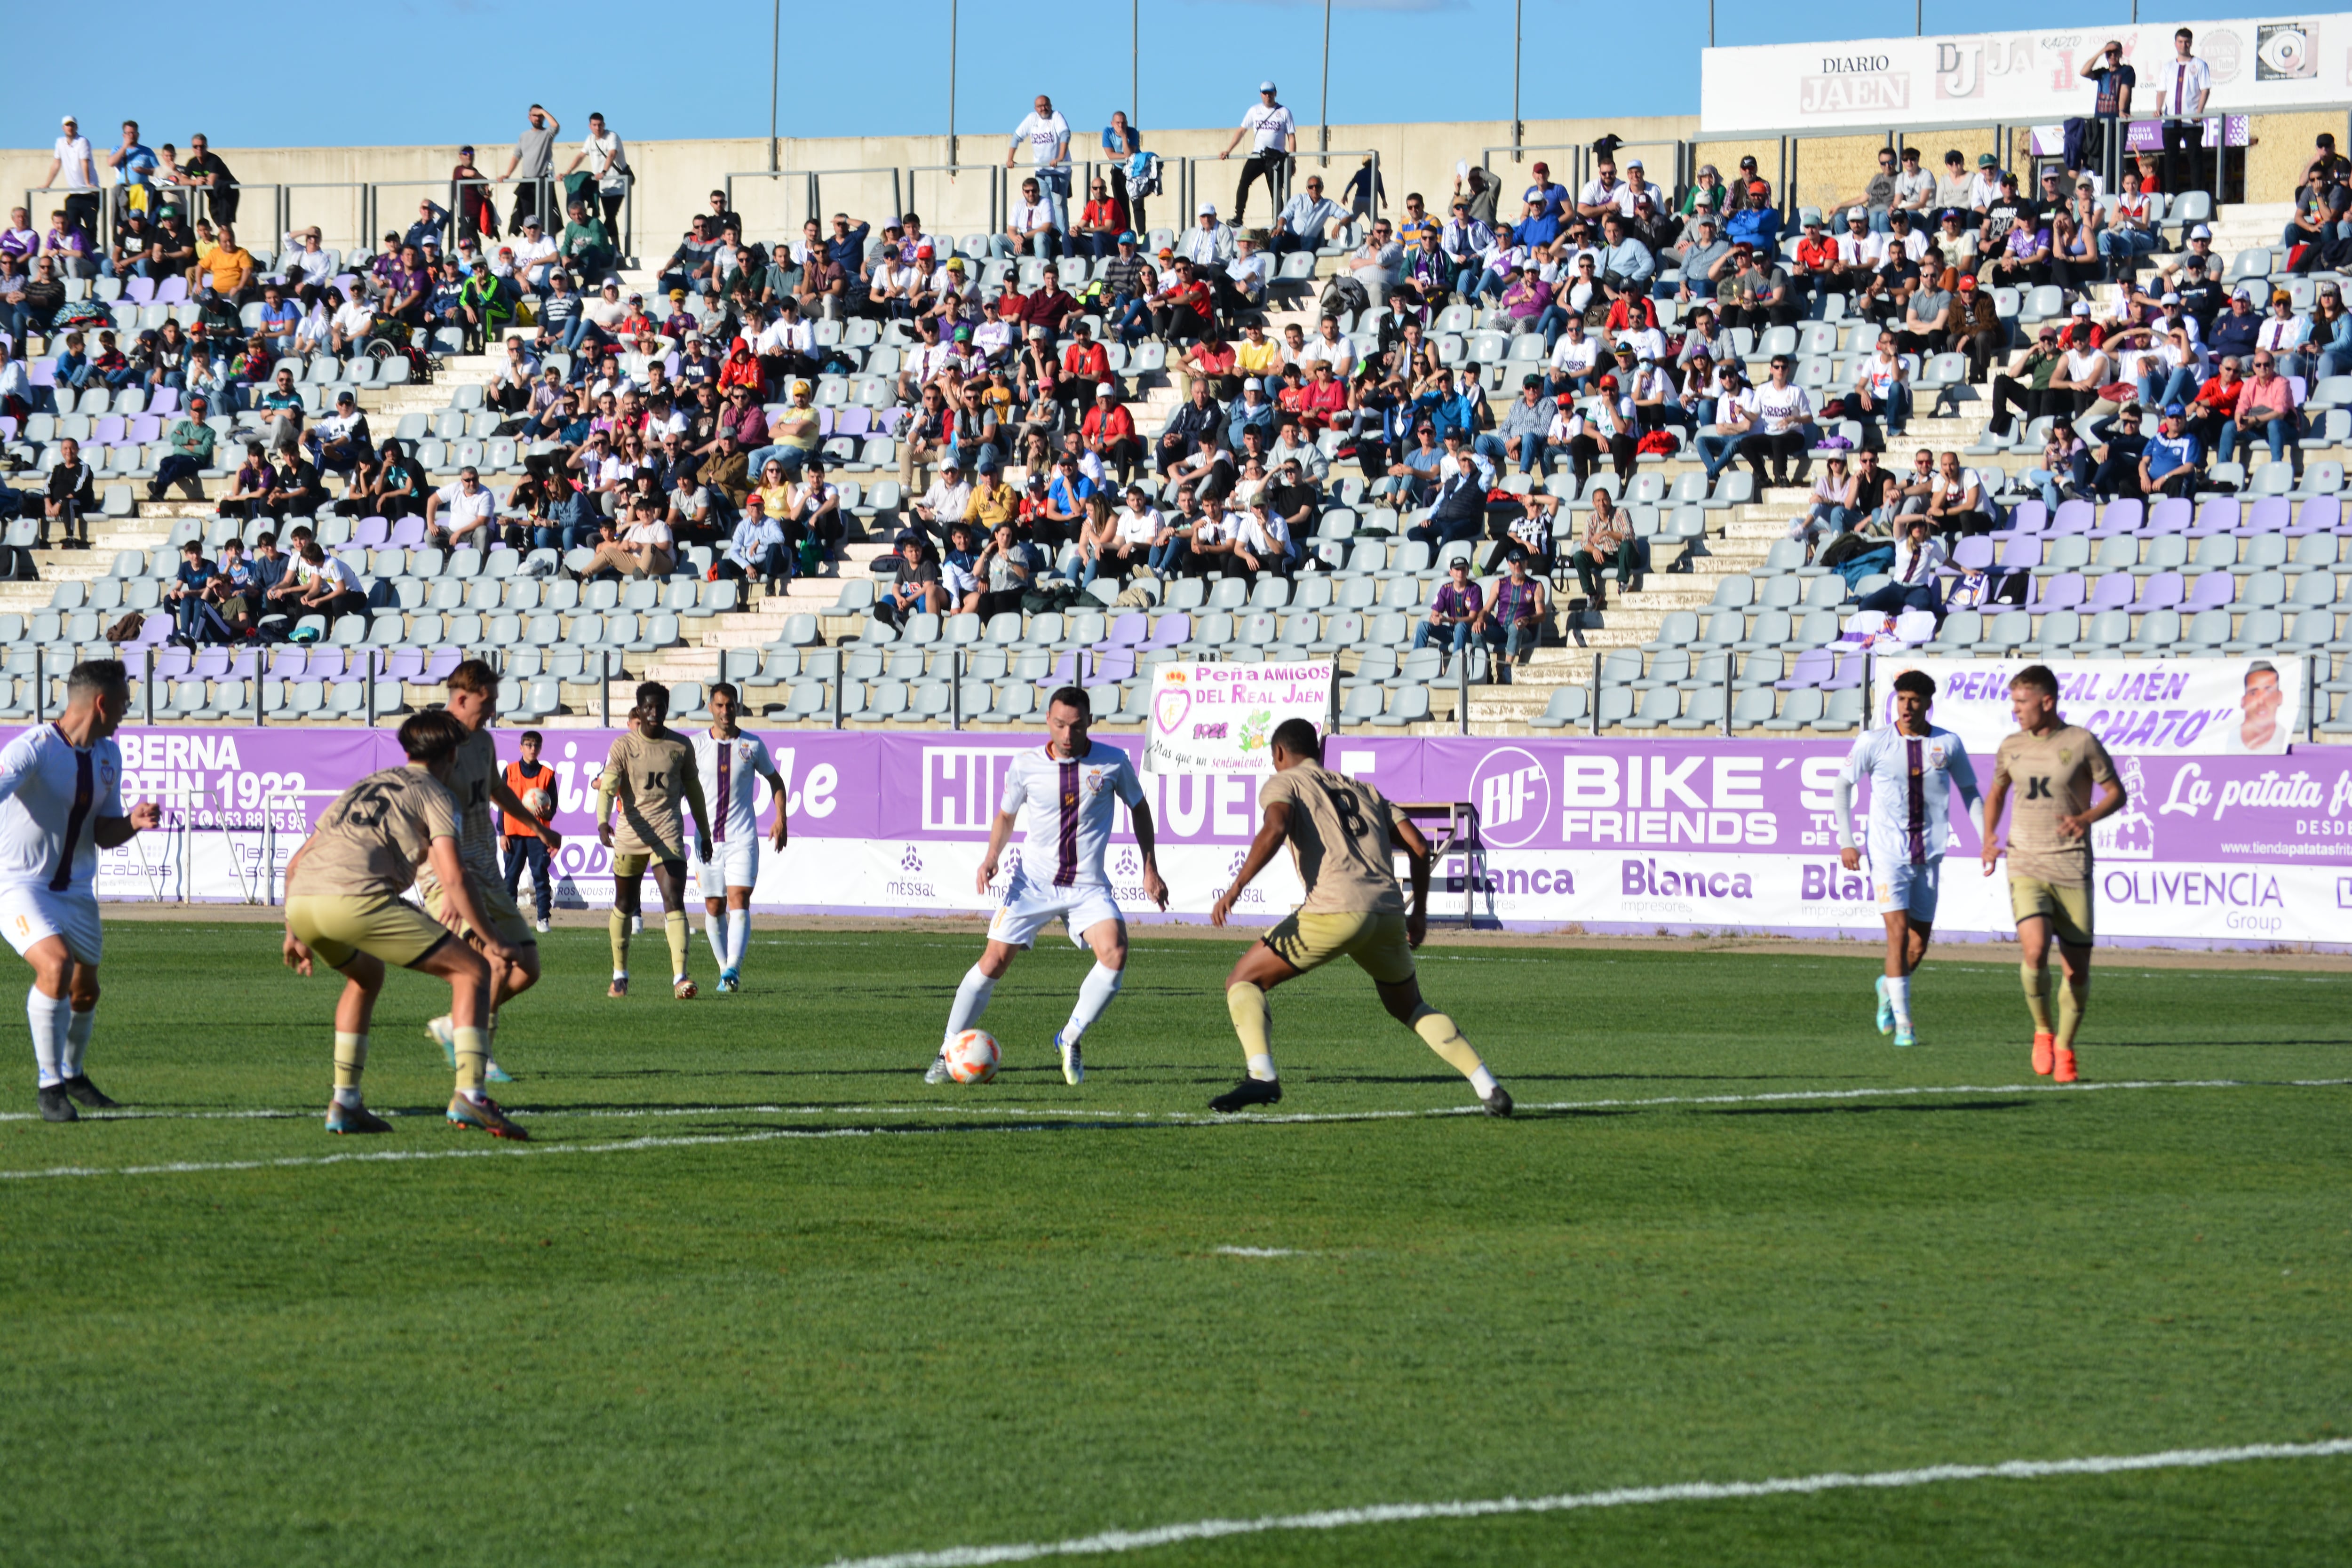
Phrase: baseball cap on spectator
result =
(2201, 232)
(2173, 411)
(2081, 307)
(1986, 161)
(1127, 236)
(963, 334)
(955, 264)
(1855, 215)
(1265, 87)
(2170, 298)
(1105, 389)
(678, 293)
(1967, 282)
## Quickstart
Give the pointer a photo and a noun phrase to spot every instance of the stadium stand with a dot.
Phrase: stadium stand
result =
(1692, 412)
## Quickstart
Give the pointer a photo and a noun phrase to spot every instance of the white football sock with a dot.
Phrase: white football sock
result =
(738, 937)
(1482, 1083)
(77, 1030)
(714, 927)
(1262, 1067)
(48, 1016)
(1898, 996)
(1095, 993)
(970, 1001)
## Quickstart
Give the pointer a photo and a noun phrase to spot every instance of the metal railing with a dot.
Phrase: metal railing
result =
(1189, 185)
(935, 213)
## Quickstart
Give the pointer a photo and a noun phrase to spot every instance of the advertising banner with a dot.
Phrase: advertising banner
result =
(1221, 717)
(1576, 834)
(2033, 77)
(2150, 707)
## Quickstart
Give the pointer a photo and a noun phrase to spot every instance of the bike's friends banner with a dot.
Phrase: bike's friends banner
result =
(1715, 835)
(2144, 707)
(1221, 717)
(1985, 78)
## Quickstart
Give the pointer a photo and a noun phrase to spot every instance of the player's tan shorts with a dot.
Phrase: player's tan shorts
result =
(1377, 944)
(491, 898)
(2068, 910)
(628, 865)
(338, 927)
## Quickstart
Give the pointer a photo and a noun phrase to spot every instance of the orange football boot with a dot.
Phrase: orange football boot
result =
(2066, 1073)
(2045, 1044)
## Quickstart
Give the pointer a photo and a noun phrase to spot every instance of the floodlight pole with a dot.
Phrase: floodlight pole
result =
(1519, 9)
(1326, 81)
(775, 57)
(952, 74)
(1135, 62)
(1710, 24)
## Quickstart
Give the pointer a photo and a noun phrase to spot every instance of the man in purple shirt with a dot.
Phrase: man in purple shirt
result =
(1457, 614)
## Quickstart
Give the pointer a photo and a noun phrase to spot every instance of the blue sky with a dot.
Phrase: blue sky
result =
(1391, 60)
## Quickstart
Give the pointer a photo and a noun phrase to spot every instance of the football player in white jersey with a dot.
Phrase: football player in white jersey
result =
(60, 804)
(1070, 788)
(1913, 767)
(733, 764)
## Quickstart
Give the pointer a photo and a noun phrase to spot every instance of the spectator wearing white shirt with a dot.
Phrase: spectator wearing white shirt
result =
(1208, 244)
(947, 500)
(2285, 334)
(1573, 359)
(606, 159)
(534, 258)
(72, 157)
(1274, 137)
(1599, 194)
(1308, 220)
(1331, 346)
(758, 549)
(1028, 225)
(1632, 191)
(1785, 428)
(1251, 271)
(2182, 84)
(1048, 136)
(1465, 243)
(470, 508)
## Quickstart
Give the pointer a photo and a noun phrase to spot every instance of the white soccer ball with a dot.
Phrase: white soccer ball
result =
(539, 803)
(972, 1056)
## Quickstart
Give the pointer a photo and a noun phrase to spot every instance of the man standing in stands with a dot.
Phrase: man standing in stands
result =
(72, 496)
(203, 167)
(2183, 84)
(72, 157)
(1048, 136)
(1274, 137)
(534, 157)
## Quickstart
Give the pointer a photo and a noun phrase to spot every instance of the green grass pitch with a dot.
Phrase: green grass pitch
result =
(681, 1338)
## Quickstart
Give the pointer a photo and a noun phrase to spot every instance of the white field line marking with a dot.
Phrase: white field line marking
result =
(1174, 1118)
(1112, 1541)
(1258, 1251)
(1195, 1118)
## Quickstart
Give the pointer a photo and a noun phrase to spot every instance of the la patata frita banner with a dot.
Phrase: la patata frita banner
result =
(2136, 706)
(1221, 717)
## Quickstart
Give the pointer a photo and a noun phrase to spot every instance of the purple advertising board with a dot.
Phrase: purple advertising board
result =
(1600, 836)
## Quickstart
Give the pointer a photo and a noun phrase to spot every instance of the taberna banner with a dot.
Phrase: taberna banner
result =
(1221, 717)
(2145, 707)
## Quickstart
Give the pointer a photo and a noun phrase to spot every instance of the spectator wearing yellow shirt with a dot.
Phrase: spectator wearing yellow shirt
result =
(993, 502)
(226, 270)
(1256, 354)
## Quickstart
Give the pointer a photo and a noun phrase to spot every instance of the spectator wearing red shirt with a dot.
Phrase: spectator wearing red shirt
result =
(1323, 400)
(1050, 307)
(1108, 431)
(1211, 360)
(1101, 223)
(741, 370)
(1086, 360)
(1817, 260)
(1187, 306)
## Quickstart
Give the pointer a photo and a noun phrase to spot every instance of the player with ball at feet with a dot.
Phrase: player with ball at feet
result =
(1070, 788)
(1342, 835)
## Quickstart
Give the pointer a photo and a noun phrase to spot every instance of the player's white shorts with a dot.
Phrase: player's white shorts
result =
(1029, 907)
(733, 863)
(1910, 888)
(31, 913)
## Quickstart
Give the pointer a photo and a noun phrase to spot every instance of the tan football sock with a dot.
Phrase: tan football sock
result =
(350, 1059)
(471, 1057)
(2073, 1001)
(619, 925)
(1446, 1040)
(1254, 1022)
(681, 940)
(2036, 979)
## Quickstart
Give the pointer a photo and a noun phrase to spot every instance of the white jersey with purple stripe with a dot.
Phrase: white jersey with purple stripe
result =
(1070, 805)
(51, 797)
(1911, 781)
(730, 771)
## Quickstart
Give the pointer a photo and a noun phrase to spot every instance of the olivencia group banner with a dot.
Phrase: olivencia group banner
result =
(1575, 835)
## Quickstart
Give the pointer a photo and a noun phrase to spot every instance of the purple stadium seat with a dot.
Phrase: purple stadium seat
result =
(2121, 516)
(138, 291)
(2320, 514)
(289, 663)
(2162, 593)
(1127, 631)
(172, 291)
(2111, 592)
(2170, 515)
(1173, 630)
(2270, 514)
(444, 660)
(854, 420)
(164, 400)
(1850, 663)
(1064, 673)
(1813, 667)
(405, 664)
(2022, 553)
(109, 430)
(326, 664)
(2212, 591)
(172, 663)
(408, 534)
(2218, 514)
(2073, 517)
(370, 532)
(1119, 664)
(1973, 553)
(146, 428)
(2063, 592)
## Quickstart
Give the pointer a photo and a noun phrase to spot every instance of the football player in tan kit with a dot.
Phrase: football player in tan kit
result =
(479, 784)
(343, 904)
(1340, 832)
(2054, 767)
(646, 772)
